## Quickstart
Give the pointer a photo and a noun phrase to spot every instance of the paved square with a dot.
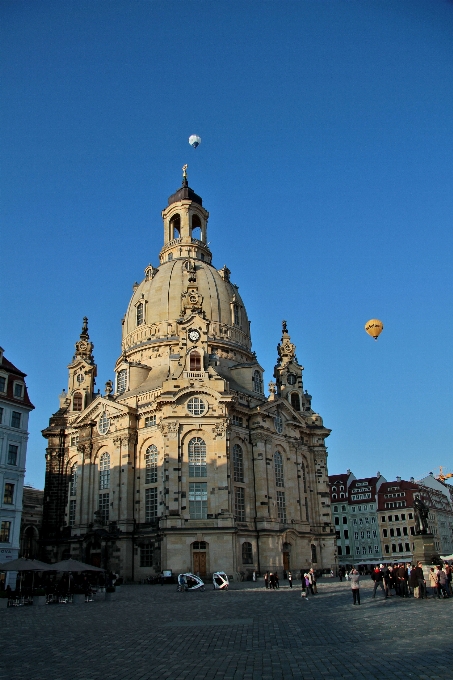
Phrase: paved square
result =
(245, 633)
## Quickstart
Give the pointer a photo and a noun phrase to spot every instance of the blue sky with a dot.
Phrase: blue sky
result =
(326, 166)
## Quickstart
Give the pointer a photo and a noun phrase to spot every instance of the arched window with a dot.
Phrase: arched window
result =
(247, 553)
(278, 467)
(314, 558)
(77, 402)
(295, 401)
(195, 361)
(140, 314)
(196, 227)
(236, 315)
(257, 382)
(175, 227)
(73, 488)
(238, 463)
(104, 471)
(197, 458)
(121, 381)
(170, 257)
(151, 464)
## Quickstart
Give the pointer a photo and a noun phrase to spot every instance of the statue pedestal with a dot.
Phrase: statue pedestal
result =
(424, 550)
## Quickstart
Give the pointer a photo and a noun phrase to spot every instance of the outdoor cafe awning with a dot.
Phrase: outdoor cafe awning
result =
(73, 565)
(22, 564)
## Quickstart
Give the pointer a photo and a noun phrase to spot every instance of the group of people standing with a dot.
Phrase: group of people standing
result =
(405, 580)
(271, 580)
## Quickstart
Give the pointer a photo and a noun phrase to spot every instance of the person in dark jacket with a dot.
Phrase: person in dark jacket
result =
(290, 579)
(402, 577)
(378, 578)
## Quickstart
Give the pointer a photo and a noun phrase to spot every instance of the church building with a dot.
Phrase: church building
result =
(184, 464)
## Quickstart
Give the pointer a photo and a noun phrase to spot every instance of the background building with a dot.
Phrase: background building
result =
(15, 407)
(439, 498)
(354, 510)
(31, 523)
(184, 463)
(396, 519)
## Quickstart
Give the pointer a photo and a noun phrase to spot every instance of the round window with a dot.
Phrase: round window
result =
(196, 406)
(104, 423)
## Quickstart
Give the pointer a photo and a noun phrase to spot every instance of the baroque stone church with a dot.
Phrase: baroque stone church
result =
(184, 464)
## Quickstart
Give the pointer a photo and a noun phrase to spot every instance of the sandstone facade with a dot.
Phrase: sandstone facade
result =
(184, 464)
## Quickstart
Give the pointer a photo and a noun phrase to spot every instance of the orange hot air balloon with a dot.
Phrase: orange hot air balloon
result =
(374, 327)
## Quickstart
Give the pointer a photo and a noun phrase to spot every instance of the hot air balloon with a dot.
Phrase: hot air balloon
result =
(194, 140)
(374, 327)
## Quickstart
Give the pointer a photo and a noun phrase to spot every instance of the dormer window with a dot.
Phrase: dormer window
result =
(236, 315)
(2, 383)
(121, 381)
(140, 314)
(18, 390)
(295, 401)
(257, 382)
(195, 361)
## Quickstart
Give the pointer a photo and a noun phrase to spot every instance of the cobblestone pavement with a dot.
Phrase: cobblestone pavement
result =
(246, 633)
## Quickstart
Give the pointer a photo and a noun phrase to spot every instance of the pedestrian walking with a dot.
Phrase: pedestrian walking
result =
(421, 581)
(276, 580)
(290, 579)
(272, 580)
(402, 580)
(355, 587)
(266, 579)
(313, 581)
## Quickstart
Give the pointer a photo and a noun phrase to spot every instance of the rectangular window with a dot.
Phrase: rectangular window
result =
(104, 506)
(364, 550)
(340, 550)
(404, 531)
(239, 503)
(146, 556)
(15, 419)
(346, 533)
(72, 512)
(407, 546)
(410, 516)
(392, 532)
(357, 550)
(343, 507)
(412, 531)
(348, 550)
(370, 549)
(376, 549)
(18, 390)
(237, 420)
(390, 518)
(374, 533)
(150, 504)
(368, 534)
(104, 479)
(382, 519)
(198, 500)
(387, 548)
(398, 531)
(13, 450)
(281, 506)
(345, 520)
(337, 521)
(393, 548)
(384, 533)
(150, 421)
(373, 520)
(75, 440)
(1, 415)
(8, 495)
(5, 530)
(2, 383)
(356, 535)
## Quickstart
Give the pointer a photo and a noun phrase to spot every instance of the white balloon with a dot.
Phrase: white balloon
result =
(194, 140)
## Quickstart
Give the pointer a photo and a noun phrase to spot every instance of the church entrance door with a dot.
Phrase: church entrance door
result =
(199, 563)
(286, 566)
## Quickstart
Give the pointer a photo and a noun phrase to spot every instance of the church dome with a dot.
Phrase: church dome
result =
(156, 304)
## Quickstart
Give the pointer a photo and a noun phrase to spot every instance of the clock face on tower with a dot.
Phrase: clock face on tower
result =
(194, 335)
